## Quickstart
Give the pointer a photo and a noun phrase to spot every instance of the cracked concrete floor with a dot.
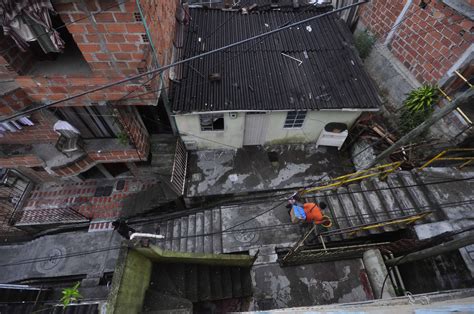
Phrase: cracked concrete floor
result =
(249, 169)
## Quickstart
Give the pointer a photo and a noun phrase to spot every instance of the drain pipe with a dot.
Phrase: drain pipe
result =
(146, 235)
(398, 275)
(155, 57)
(392, 275)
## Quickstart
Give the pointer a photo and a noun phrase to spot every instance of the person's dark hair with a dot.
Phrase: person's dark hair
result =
(322, 205)
(297, 198)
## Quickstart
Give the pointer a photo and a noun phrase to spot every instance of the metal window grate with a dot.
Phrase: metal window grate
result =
(294, 119)
(211, 122)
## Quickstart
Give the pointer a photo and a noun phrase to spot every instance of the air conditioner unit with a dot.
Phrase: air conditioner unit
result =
(233, 115)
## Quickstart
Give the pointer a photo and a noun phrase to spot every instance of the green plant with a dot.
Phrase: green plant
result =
(123, 138)
(71, 295)
(364, 42)
(417, 107)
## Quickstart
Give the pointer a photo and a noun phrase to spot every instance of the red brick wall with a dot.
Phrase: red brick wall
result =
(380, 15)
(20, 161)
(428, 42)
(135, 129)
(14, 60)
(41, 132)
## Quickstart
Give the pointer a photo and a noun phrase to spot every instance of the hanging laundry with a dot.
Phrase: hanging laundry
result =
(28, 20)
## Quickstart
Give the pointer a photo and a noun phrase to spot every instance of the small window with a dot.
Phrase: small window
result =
(212, 122)
(295, 119)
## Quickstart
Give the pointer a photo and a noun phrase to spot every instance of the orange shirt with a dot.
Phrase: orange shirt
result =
(313, 213)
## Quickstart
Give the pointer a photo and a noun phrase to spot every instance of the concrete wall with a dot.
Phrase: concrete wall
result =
(130, 282)
(233, 134)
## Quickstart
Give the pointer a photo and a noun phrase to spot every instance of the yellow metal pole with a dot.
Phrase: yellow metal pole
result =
(433, 159)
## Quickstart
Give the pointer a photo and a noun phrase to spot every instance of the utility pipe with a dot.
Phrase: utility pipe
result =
(146, 235)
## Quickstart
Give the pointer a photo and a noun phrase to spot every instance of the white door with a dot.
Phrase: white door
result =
(256, 124)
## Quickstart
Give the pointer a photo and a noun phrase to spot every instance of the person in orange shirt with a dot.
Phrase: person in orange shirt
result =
(312, 211)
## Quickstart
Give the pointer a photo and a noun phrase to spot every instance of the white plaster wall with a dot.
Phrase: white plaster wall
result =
(312, 126)
(233, 134)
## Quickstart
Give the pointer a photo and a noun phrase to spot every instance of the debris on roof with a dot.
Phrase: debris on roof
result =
(311, 66)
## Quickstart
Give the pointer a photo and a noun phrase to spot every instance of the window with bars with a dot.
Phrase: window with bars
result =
(294, 119)
(212, 122)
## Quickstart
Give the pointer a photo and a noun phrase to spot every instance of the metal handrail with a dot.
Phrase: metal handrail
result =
(444, 152)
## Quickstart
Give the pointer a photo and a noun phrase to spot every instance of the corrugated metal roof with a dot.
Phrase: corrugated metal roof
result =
(264, 75)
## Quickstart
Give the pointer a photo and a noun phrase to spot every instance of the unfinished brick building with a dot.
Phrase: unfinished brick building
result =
(104, 41)
(423, 42)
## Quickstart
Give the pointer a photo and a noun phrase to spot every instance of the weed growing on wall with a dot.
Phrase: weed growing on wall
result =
(364, 43)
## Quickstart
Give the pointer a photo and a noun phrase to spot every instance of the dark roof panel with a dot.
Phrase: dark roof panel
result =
(311, 66)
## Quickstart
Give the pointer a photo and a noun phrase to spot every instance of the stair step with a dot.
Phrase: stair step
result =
(208, 246)
(184, 233)
(376, 205)
(176, 242)
(362, 206)
(199, 232)
(216, 229)
(177, 273)
(391, 205)
(169, 235)
(338, 214)
(419, 197)
(226, 283)
(349, 207)
(236, 283)
(163, 231)
(204, 283)
(407, 204)
(246, 281)
(329, 211)
(192, 274)
(191, 245)
(216, 283)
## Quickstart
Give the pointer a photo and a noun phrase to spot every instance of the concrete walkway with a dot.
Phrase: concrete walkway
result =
(256, 168)
(67, 254)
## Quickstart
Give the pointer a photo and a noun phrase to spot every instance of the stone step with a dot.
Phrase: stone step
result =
(204, 283)
(352, 214)
(407, 205)
(376, 205)
(208, 245)
(362, 206)
(226, 282)
(216, 229)
(391, 206)
(236, 283)
(169, 235)
(176, 242)
(192, 282)
(191, 245)
(199, 232)
(216, 283)
(184, 232)
(329, 211)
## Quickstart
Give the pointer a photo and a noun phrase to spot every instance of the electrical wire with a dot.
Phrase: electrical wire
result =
(186, 60)
(75, 254)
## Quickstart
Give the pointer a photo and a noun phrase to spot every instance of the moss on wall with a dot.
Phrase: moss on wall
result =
(130, 283)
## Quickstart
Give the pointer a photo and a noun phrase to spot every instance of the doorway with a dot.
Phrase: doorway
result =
(256, 124)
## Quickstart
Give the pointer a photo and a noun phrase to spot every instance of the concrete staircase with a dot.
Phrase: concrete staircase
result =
(401, 194)
(198, 283)
(199, 232)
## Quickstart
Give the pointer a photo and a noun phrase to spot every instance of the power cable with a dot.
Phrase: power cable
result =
(336, 218)
(75, 254)
(163, 68)
(347, 193)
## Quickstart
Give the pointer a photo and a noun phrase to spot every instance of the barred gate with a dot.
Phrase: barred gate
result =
(306, 256)
(180, 166)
